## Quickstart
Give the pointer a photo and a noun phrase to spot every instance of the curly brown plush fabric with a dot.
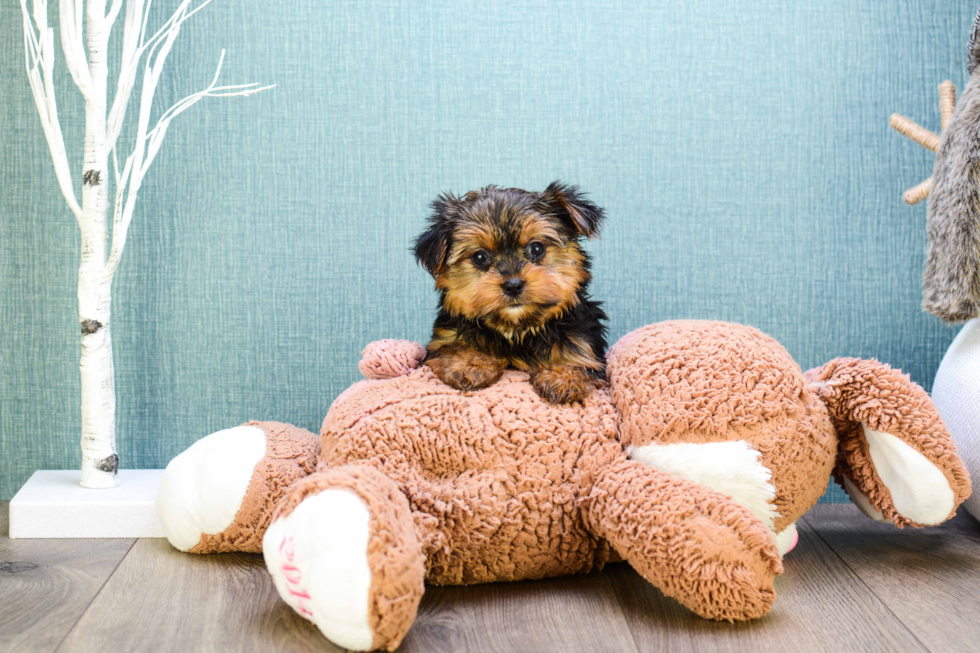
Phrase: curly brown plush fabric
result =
(384, 359)
(665, 392)
(494, 476)
(290, 454)
(394, 556)
(868, 392)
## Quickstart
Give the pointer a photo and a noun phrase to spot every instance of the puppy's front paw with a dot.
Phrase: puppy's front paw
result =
(467, 369)
(562, 384)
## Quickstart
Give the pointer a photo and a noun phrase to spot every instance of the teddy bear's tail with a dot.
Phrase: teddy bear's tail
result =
(896, 459)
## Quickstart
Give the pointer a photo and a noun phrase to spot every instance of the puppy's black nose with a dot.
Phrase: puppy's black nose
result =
(513, 286)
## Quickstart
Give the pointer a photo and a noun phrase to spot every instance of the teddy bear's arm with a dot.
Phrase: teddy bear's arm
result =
(692, 542)
(388, 358)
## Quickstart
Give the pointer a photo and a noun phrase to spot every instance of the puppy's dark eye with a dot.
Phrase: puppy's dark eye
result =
(535, 251)
(480, 259)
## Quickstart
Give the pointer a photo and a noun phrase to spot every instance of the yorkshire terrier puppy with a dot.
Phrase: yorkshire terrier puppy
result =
(513, 290)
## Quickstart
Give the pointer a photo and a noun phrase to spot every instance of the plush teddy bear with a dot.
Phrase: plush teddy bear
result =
(692, 464)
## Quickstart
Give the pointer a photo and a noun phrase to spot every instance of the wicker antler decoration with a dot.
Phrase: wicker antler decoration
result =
(924, 137)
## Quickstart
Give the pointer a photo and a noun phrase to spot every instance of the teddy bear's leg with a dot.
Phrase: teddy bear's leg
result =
(343, 552)
(897, 460)
(694, 543)
(219, 494)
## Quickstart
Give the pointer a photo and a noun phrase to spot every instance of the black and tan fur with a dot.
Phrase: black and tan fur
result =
(546, 324)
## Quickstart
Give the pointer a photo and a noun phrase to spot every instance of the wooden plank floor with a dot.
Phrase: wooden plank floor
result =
(851, 585)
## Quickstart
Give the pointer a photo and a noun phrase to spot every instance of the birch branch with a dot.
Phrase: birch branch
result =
(148, 141)
(71, 43)
(135, 45)
(39, 55)
(110, 18)
(132, 28)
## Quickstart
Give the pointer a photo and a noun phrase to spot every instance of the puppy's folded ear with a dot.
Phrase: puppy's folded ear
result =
(570, 204)
(432, 246)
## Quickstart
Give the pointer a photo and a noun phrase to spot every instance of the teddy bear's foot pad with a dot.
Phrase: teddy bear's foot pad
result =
(219, 494)
(203, 488)
(918, 489)
(343, 552)
(317, 556)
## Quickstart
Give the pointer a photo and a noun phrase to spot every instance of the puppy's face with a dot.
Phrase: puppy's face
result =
(508, 257)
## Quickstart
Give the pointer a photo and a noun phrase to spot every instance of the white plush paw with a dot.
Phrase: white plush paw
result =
(920, 491)
(202, 489)
(317, 555)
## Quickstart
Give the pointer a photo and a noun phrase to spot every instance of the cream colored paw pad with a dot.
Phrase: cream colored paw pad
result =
(203, 488)
(317, 556)
(920, 491)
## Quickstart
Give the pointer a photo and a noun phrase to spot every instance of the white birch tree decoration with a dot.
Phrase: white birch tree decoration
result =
(85, 26)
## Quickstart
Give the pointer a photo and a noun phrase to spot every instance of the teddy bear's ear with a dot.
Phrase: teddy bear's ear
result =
(569, 203)
(432, 246)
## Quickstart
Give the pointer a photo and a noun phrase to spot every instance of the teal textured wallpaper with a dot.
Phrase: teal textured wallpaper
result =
(742, 152)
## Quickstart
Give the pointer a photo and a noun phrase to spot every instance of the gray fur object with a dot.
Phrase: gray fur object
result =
(951, 284)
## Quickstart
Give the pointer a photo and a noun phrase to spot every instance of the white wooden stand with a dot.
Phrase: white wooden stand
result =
(53, 504)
